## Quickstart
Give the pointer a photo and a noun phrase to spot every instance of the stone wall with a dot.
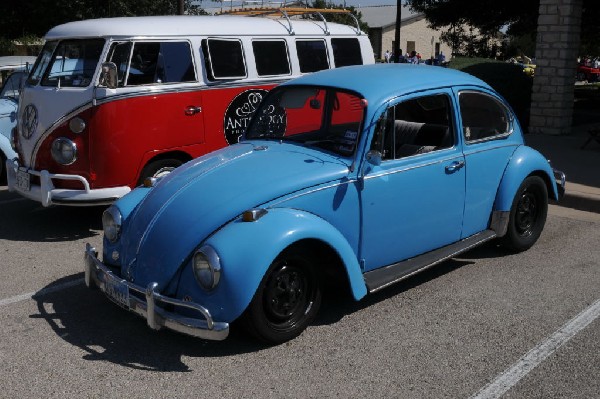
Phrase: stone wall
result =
(557, 46)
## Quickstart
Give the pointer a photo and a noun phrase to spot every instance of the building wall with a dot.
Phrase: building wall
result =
(415, 30)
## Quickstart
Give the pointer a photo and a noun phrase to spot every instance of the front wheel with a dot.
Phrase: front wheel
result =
(286, 301)
(158, 168)
(527, 215)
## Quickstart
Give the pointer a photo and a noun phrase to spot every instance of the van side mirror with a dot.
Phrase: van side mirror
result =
(108, 76)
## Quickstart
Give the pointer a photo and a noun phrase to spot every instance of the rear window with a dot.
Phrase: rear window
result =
(312, 55)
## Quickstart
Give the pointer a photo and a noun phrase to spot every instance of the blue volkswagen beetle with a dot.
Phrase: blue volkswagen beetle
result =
(369, 174)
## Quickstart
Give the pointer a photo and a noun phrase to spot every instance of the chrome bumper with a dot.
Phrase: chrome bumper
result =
(561, 182)
(98, 275)
(48, 195)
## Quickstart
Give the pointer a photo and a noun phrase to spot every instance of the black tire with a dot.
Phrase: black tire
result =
(286, 301)
(3, 177)
(158, 168)
(527, 215)
(581, 76)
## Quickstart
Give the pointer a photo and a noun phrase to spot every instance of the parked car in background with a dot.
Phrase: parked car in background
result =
(13, 72)
(364, 175)
(587, 73)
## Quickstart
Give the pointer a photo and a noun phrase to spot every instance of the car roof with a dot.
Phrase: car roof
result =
(177, 26)
(383, 81)
(15, 61)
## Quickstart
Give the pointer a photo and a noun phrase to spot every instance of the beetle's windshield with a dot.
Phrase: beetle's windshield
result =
(315, 116)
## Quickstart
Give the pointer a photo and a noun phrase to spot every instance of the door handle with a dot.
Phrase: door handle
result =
(191, 110)
(454, 166)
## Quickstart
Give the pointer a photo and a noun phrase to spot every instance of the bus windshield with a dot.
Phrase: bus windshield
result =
(70, 63)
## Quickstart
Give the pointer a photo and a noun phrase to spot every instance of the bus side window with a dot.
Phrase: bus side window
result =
(224, 59)
(119, 55)
(161, 62)
(312, 55)
(346, 52)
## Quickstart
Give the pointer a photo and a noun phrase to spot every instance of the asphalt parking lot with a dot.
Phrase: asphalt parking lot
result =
(489, 323)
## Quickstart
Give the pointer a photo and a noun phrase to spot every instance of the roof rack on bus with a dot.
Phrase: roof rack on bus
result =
(288, 12)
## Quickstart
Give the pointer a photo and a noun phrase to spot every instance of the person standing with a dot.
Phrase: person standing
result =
(387, 56)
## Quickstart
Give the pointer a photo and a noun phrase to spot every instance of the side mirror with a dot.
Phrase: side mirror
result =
(374, 157)
(108, 76)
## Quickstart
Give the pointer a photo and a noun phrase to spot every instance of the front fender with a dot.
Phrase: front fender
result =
(524, 162)
(247, 249)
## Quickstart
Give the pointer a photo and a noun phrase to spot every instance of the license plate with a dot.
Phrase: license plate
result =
(23, 180)
(118, 292)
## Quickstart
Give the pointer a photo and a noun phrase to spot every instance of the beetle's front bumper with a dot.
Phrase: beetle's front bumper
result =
(119, 290)
(561, 182)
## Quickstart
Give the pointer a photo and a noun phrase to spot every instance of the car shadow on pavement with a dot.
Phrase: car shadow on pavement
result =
(24, 220)
(105, 332)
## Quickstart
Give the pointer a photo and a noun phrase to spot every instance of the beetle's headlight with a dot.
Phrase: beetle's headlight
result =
(207, 267)
(64, 151)
(111, 223)
(77, 125)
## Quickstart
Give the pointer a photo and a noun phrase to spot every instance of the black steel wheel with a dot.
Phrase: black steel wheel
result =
(158, 168)
(286, 301)
(527, 215)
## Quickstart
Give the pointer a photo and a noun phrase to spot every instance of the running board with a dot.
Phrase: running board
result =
(388, 275)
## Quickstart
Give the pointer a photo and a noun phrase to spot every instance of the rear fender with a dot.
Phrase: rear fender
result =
(247, 249)
(525, 162)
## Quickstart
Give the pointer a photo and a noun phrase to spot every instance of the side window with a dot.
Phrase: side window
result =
(271, 57)
(483, 116)
(161, 62)
(346, 52)
(312, 55)
(224, 59)
(413, 127)
(119, 54)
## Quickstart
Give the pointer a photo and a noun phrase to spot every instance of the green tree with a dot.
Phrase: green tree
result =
(489, 16)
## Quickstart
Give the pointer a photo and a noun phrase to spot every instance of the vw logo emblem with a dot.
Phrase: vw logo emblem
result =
(29, 121)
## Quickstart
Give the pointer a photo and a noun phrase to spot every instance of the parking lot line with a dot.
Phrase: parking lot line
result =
(49, 290)
(511, 376)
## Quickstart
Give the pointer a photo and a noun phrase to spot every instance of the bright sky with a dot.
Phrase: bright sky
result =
(208, 4)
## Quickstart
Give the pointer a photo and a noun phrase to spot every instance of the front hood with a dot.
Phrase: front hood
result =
(196, 199)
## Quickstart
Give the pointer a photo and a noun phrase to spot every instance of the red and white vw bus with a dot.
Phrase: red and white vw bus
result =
(110, 102)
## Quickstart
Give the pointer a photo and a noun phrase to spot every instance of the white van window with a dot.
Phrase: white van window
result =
(73, 63)
(42, 63)
(271, 57)
(312, 55)
(161, 62)
(224, 59)
(346, 52)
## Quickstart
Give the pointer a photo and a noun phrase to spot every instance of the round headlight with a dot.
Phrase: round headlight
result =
(77, 125)
(207, 268)
(64, 151)
(111, 223)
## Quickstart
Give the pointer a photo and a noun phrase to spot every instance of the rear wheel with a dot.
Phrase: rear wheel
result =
(527, 215)
(158, 168)
(286, 301)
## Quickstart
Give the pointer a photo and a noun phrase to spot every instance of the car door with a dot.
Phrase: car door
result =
(487, 125)
(413, 185)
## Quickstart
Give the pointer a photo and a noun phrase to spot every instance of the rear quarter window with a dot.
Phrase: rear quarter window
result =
(483, 116)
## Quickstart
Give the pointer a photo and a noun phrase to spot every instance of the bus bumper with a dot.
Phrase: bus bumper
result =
(19, 181)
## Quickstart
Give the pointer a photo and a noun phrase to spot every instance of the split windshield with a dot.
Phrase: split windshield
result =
(69, 63)
(315, 116)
